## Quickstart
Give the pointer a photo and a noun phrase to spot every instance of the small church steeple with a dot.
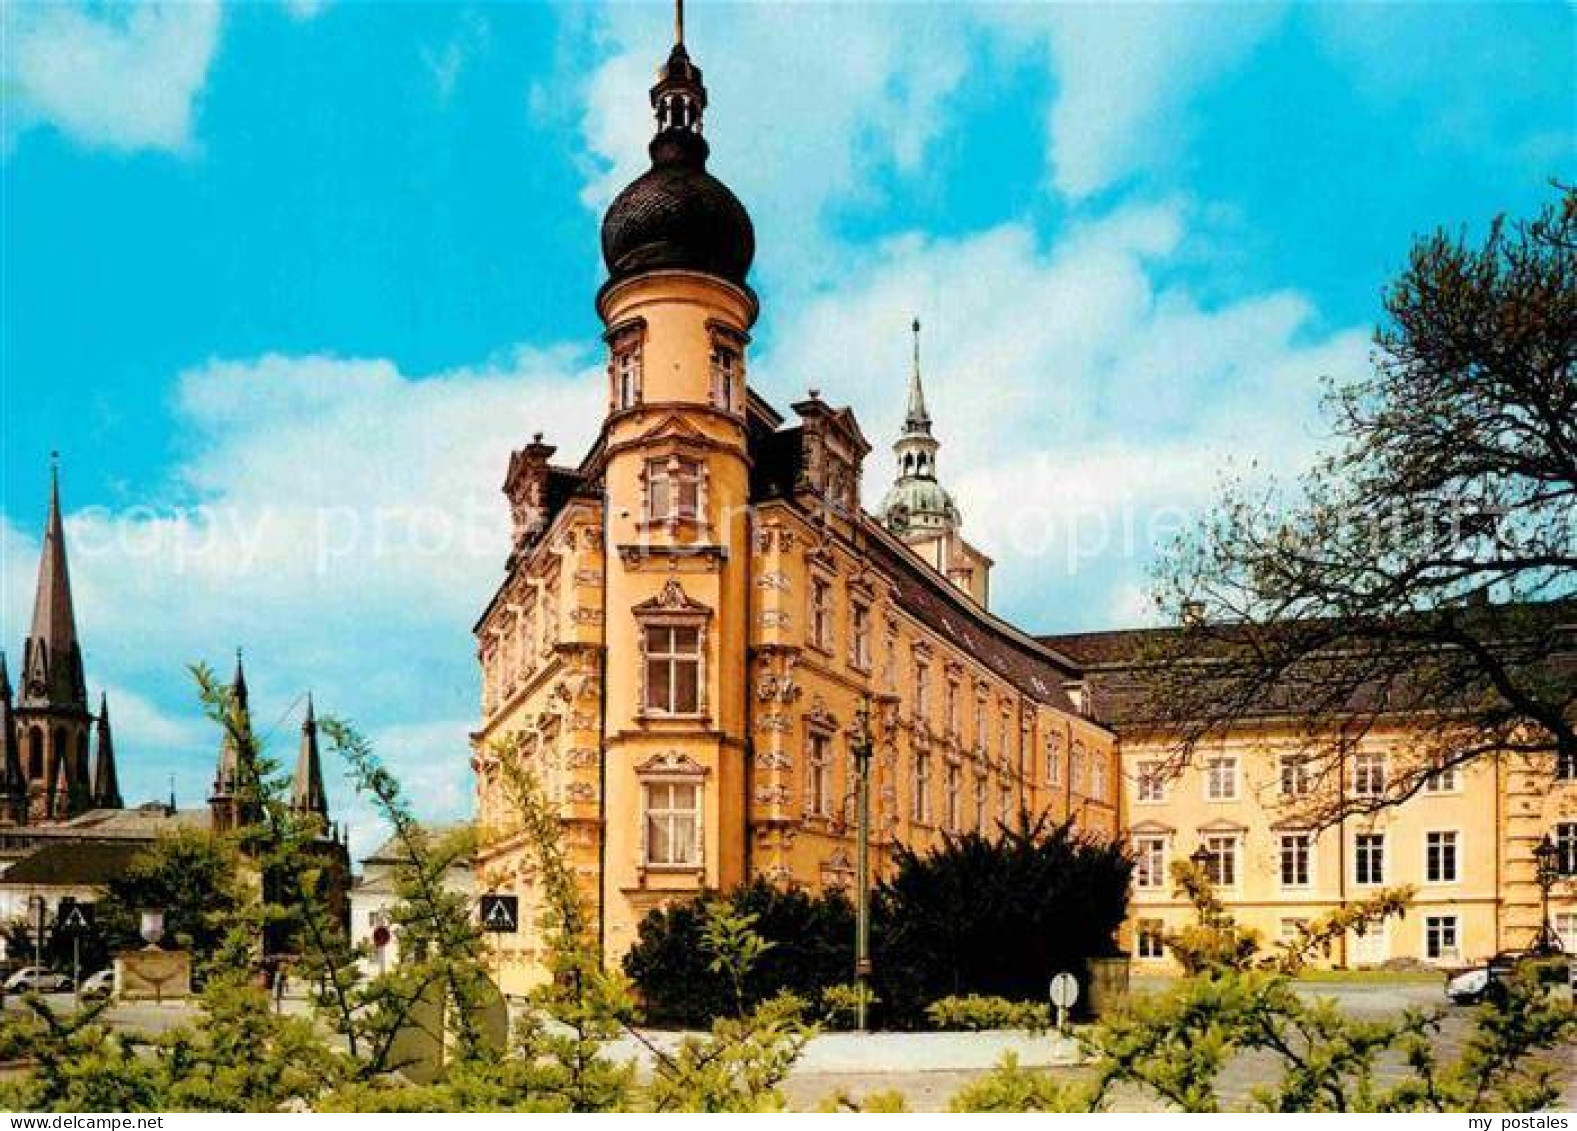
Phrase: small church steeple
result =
(106, 781)
(226, 801)
(917, 504)
(52, 658)
(307, 794)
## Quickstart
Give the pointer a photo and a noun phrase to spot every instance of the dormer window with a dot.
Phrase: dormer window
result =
(673, 489)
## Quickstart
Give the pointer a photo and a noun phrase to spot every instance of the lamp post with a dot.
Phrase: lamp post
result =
(862, 748)
(1545, 869)
(1202, 858)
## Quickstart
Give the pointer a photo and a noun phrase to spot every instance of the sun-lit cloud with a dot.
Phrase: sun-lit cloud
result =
(126, 77)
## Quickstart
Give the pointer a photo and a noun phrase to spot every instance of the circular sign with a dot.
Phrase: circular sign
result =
(1064, 990)
(380, 936)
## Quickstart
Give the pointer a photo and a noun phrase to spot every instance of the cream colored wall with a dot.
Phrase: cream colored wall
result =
(1472, 810)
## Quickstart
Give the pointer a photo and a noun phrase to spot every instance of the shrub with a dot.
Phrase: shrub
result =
(810, 947)
(973, 1013)
(995, 917)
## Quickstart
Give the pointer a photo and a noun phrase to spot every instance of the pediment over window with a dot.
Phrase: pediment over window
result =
(674, 427)
(671, 764)
(1154, 828)
(672, 599)
(1223, 826)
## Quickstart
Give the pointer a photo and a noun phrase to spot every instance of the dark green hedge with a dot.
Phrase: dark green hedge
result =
(993, 915)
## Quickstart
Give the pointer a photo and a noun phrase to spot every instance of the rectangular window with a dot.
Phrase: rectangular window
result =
(1222, 866)
(1150, 939)
(953, 800)
(1566, 848)
(1053, 760)
(1149, 869)
(1368, 774)
(1440, 936)
(1098, 776)
(627, 377)
(982, 803)
(1443, 780)
(1294, 775)
(922, 691)
(821, 614)
(1151, 785)
(673, 489)
(673, 824)
(673, 669)
(725, 378)
(1440, 857)
(953, 721)
(1369, 858)
(818, 801)
(1006, 812)
(980, 725)
(1566, 767)
(1221, 778)
(922, 788)
(860, 636)
(1296, 850)
(1565, 924)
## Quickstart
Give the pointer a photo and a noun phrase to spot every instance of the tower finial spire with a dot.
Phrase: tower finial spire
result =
(679, 22)
(917, 419)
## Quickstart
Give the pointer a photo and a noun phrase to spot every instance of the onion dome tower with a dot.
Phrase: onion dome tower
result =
(917, 505)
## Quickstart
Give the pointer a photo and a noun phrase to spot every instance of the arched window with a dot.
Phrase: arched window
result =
(35, 754)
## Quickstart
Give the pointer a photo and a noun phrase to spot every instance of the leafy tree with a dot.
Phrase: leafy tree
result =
(994, 916)
(1428, 564)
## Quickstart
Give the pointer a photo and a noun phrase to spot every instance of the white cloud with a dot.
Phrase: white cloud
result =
(304, 9)
(1085, 399)
(126, 77)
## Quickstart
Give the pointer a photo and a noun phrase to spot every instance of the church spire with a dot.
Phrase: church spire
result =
(13, 779)
(52, 658)
(917, 419)
(307, 794)
(227, 777)
(106, 782)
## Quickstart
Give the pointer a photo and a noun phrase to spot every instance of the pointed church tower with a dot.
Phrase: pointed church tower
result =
(52, 707)
(226, 802)
(307, 795)
(919, 510)
(106, 781)
(13, 777)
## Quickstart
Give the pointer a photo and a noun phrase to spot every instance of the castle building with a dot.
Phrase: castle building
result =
(700, 622)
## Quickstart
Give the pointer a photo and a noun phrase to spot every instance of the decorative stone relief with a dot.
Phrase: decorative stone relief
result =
(773, 760)
(774, 580)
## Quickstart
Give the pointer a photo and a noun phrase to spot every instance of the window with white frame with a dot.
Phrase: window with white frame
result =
(1297, 851)
(627, 376)
(1368, 773)
(922, 690)
(921, 802)
(1440, 857)
(1053, 760)
(821, 613)
(818, 776)
(1150, 938)
(1369, 858)
(1149, 855)
(1079, 769)
(1566, 848)
(1221, 777)
(860, 635)
(1221, 865)
(1565, 926)
(1098, 778)
(954, 722)
(982, 803)
(954, 783)
(673, 489)
(725, 378)
(1566, 768)
(1443, 780)
(673, 824)
(1151, 784)
(1294, 775)
(1440, 936)
(673, 668)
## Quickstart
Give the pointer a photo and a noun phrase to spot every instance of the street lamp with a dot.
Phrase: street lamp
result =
(862, 749)
(1202, 858)
(1546, 858)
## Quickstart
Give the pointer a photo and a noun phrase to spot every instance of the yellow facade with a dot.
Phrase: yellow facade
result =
(1464, 845)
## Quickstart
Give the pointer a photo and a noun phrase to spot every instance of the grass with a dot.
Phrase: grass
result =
(1372, 977)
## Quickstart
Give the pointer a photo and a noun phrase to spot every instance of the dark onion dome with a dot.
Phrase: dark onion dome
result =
(676, 215)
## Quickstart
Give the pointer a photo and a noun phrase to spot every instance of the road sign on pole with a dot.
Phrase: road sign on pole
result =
(501, 914)
(1064, 992)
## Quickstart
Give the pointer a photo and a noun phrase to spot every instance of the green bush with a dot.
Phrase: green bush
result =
(812, 949)
(995, 916)
(973, 1013)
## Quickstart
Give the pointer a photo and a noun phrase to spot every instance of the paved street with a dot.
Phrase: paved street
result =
(928, 1068)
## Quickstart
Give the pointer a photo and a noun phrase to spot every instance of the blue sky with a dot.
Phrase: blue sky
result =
(286, 282)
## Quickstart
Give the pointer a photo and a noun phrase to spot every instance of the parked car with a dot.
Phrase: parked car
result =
(38, 979)
(101, 984)
(1487, 981)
